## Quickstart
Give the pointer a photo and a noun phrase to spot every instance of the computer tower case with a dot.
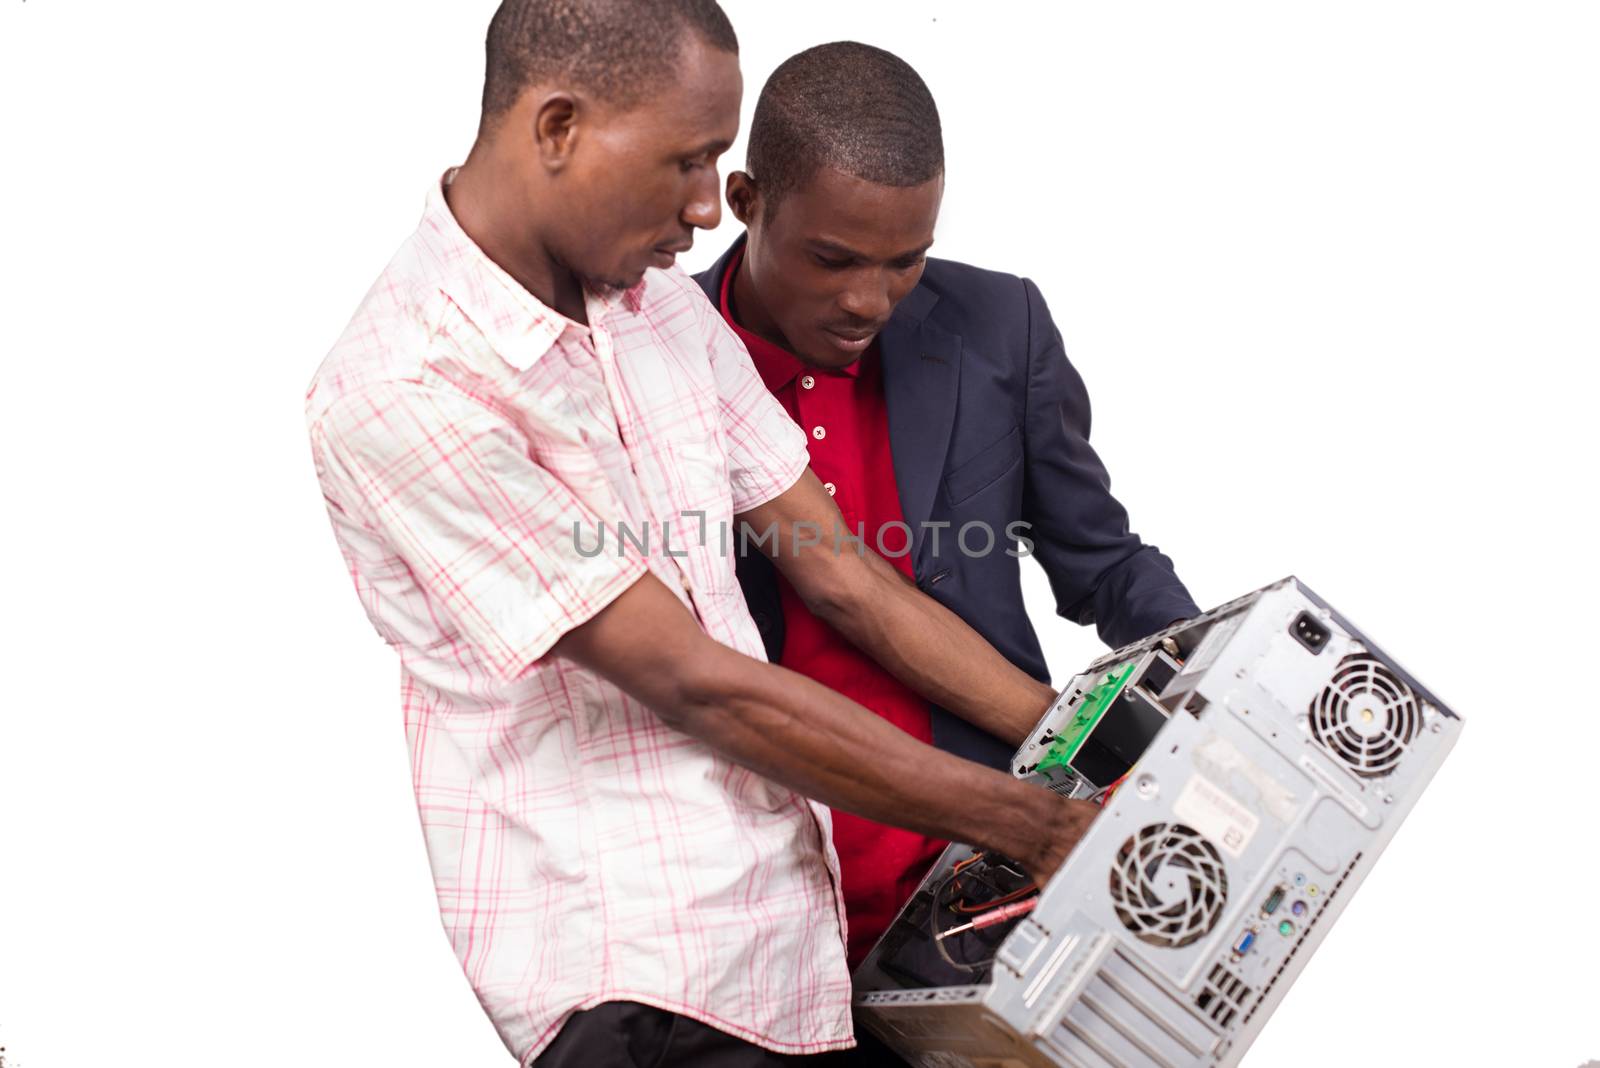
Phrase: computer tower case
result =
(1253, 763)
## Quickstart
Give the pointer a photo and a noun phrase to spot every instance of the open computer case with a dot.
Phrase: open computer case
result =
(1252, 764)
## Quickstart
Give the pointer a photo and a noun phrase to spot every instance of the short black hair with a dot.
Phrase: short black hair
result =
(849, 106)
(616, 49)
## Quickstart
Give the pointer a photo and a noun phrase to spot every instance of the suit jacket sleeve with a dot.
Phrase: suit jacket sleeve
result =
(1099, 570)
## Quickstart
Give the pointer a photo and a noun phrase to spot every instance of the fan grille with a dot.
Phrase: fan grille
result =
(1366, 717)
(1168, 885)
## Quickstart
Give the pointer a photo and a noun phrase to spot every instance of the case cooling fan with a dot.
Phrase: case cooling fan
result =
(1366, 716)
(1168, 885)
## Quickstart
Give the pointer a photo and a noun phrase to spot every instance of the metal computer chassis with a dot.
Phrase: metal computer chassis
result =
(1267, 751)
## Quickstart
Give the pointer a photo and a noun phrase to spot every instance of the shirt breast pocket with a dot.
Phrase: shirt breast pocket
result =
(700, 513)
(981, 470)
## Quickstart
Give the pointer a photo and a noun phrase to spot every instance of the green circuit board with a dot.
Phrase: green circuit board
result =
(1076, 732)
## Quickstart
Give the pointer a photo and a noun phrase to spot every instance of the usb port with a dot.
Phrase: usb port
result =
(1274, 899)
(1245, 941)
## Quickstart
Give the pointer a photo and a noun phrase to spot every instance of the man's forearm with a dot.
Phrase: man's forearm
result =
(809, 738)
(910, 635)
(930, 649)
(823, 745)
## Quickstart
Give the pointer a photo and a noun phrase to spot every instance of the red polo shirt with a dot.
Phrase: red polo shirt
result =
(847, 424)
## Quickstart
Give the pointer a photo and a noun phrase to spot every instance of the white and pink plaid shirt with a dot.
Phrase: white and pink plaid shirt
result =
(471, 443)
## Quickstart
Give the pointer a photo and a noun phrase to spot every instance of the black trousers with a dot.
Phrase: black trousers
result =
(625, 1034)
(869, 1053)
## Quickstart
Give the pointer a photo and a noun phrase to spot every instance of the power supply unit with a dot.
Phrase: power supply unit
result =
(1252, 763)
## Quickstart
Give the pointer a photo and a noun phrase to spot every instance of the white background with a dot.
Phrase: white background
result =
(1330, 271)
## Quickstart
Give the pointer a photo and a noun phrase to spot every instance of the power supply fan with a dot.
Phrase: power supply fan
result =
(1366, 716)
(1168, 885)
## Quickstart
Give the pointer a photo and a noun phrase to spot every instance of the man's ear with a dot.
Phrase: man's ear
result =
(555, 129)
(744, 199)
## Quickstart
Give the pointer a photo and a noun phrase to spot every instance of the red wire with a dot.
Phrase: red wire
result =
(1015, 895)
(1105, 798)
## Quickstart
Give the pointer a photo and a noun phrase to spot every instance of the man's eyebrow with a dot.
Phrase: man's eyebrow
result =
(833, 248)
(717, 147)
(916, 253)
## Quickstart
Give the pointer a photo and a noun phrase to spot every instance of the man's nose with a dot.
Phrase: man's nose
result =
(867, 297)
(704, 208)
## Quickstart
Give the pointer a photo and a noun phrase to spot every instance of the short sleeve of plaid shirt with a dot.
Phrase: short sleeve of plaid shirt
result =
(767, 452)
(487, 532)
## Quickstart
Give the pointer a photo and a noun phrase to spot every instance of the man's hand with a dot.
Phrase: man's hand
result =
(1073, 818)
(912, 636)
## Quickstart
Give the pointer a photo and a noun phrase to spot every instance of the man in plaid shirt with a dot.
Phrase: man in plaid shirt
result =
(535, 440)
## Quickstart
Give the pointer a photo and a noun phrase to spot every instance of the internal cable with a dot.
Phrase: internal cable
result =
(1102, 797)
(952, 896)
(992, 917)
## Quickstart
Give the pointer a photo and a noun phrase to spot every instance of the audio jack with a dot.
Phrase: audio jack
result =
(992, 917)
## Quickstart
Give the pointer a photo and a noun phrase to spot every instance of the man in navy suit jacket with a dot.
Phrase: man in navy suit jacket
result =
(987, 421)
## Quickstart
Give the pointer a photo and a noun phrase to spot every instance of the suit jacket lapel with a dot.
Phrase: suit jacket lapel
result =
(921, 382)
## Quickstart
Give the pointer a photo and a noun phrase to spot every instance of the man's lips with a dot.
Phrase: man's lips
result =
(664, 255)
(850, 340)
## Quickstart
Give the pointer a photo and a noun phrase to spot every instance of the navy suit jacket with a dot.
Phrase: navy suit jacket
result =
(989, 423)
